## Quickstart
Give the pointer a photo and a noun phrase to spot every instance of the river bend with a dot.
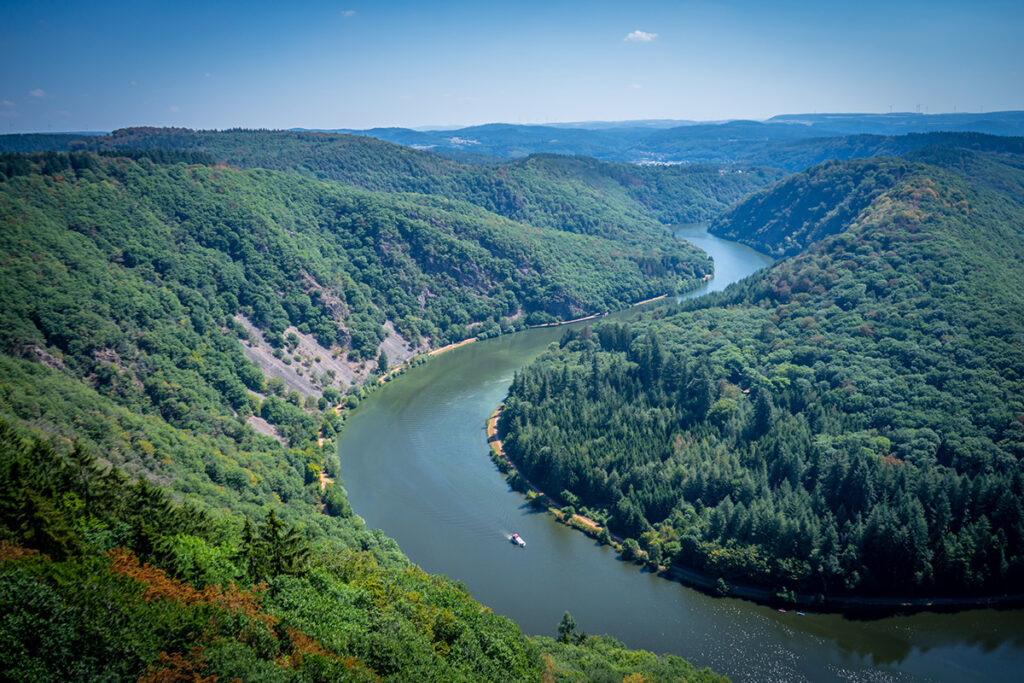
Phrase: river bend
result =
(414, 461)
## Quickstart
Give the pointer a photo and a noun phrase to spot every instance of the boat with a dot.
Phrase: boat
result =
(518, 540)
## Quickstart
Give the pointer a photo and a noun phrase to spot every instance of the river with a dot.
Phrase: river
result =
(414, 461)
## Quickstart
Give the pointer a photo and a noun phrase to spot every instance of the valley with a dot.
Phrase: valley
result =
(251, 354)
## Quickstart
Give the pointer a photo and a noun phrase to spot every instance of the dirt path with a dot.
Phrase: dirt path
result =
(568, 322)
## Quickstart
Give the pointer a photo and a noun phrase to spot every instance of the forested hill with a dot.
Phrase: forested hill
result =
(849, 422)
(335, 262)
(798, 155)
(805, 207)
(137, 296)
(146, 527)
(581, 195)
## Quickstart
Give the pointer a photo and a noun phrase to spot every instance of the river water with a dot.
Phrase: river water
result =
(414, 460)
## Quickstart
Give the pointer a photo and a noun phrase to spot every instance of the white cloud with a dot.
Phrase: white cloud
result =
(641, 37)
(175, 108)
(7, 104)
(635, 86)
(348, 12)
(38, 93)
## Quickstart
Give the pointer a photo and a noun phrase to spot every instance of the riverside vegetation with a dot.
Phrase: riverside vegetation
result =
(146, 530)
(848, 423)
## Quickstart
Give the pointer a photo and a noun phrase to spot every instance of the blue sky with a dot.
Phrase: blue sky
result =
(105, 65)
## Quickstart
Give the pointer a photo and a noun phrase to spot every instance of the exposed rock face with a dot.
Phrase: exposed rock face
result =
(313, 367)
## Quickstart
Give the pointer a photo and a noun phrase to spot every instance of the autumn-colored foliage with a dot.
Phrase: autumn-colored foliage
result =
(159, 586)
(13, 551)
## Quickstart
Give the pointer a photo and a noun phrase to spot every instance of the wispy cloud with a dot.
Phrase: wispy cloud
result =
(7, 104)
(175, 108)
(635, 86)
(641, 37)
(348, 12)
(38, 93)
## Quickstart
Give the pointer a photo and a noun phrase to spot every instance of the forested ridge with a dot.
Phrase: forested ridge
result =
(576, 194)
(146, 530)
(273, 242)
(791, 143)
(849, 422)
(806, 207)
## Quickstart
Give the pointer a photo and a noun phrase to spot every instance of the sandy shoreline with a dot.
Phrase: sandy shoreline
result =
(449, 347)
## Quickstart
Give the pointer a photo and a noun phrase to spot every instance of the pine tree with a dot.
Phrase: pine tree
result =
(566, 628)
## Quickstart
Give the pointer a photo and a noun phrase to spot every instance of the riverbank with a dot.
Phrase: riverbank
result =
(647, 301)
(451, 347)
(540, 498)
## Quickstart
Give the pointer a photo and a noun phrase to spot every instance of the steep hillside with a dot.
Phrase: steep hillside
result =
(850, 422)
(102, 577)
(147, 528)
(135, 290)
(806, 207)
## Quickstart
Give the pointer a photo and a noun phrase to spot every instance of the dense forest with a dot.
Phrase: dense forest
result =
(806, 207)
(848, 422)
(576, 194)
(147, 530)
(315, 255)
(105, 577)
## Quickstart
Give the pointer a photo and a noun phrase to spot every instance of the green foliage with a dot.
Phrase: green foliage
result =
(173, 250)
(573, 193)
(126, 282)
(847, 422)
(819, 203)
(324, 612)
(567, 629)
(602, 658)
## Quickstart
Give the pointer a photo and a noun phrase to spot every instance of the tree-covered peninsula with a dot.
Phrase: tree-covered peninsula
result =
(848, 423)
